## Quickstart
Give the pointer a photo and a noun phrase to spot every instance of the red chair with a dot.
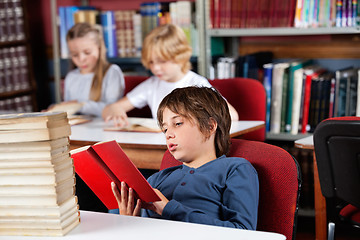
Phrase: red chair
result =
(279, 178)
(248, 97)
(130, 83)
(337, 151)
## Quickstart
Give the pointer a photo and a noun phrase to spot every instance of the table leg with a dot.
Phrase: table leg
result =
(320, 206)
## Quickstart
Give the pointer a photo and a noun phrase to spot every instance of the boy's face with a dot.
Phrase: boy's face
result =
(185, 141)
(168, 71)
(84, 53)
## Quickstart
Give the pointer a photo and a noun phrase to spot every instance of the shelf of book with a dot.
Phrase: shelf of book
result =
(17, 84)
(281, 31)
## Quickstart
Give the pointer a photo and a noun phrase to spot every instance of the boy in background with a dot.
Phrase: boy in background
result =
(166, 52)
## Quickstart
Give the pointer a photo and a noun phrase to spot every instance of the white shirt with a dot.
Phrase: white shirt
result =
(77, 87)
(152, 91)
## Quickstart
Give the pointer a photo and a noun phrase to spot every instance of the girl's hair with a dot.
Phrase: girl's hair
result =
(80, 30)
(168, 42)
(200, 105)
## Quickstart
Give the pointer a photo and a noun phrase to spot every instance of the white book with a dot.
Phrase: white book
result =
(276, 96)
(40, 211)
(296, 103)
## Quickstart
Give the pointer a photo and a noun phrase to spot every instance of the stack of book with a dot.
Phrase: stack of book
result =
(37, 178)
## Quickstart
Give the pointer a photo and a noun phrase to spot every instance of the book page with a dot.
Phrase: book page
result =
(137, 125)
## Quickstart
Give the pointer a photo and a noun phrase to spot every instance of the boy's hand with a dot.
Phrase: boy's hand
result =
(158, 206)
(126, 200)
(116, 114)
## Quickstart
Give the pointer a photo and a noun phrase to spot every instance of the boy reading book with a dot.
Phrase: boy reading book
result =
(208, 188)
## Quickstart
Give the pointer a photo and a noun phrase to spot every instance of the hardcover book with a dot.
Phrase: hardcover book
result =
(105, 162)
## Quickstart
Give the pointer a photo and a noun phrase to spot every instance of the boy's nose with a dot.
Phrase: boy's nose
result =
(169, 134)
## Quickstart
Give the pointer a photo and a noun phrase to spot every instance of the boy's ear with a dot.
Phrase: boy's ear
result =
(213, 125)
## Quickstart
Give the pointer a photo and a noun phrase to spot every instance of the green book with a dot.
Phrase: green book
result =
(289, 99)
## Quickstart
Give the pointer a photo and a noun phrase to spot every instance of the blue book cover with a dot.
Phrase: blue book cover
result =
(109, 28)
(268, 68)
(64, 53)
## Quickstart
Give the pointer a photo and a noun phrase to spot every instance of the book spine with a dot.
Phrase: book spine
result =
(18, 19)
(344, 13)
(10, 21)
(284, 99)
(23, 68)
(2, 71)
(7, 70)
(354, 12)
(109, 31)
(267, 84)
(348, 13)
(306, 105)
(332, 98)
(295, 118)
(3, 32)
(15, 77)
(339, 5)
(137, 34)
(64, 53)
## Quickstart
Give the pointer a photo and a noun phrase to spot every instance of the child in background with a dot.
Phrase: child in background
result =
(94, 82)
(166, 52)
(208, 188)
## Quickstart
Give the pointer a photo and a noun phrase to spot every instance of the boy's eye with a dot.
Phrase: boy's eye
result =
(178, 123)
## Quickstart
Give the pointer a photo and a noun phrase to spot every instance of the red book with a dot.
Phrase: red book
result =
(105, 162)
(309, 75)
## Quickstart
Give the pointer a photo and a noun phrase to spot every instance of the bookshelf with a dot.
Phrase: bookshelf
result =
(232, 35)
(333, 47)
(17, 83)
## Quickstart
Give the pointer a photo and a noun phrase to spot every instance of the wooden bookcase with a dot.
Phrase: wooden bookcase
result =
(17, 83)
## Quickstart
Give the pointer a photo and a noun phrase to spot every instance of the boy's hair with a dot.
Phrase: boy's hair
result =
(201, 105)
(80, 30)
(169, 43)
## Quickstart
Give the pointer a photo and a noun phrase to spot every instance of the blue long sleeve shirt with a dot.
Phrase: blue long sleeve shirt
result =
(223, 192)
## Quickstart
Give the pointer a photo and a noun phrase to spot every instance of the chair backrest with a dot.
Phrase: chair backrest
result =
(279, 179)
(248, 97)
(337, 151)
(130, 83)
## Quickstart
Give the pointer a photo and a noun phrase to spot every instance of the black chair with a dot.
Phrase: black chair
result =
(337, 151)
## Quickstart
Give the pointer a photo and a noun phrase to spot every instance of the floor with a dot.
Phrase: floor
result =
(306, 231)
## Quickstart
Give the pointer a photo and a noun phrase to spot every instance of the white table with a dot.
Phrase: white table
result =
(93, 132)
(143, 148)
(98, 226)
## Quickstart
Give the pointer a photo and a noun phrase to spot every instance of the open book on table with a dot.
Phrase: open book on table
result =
(105, 162)
(137, 125)
(71, 108)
